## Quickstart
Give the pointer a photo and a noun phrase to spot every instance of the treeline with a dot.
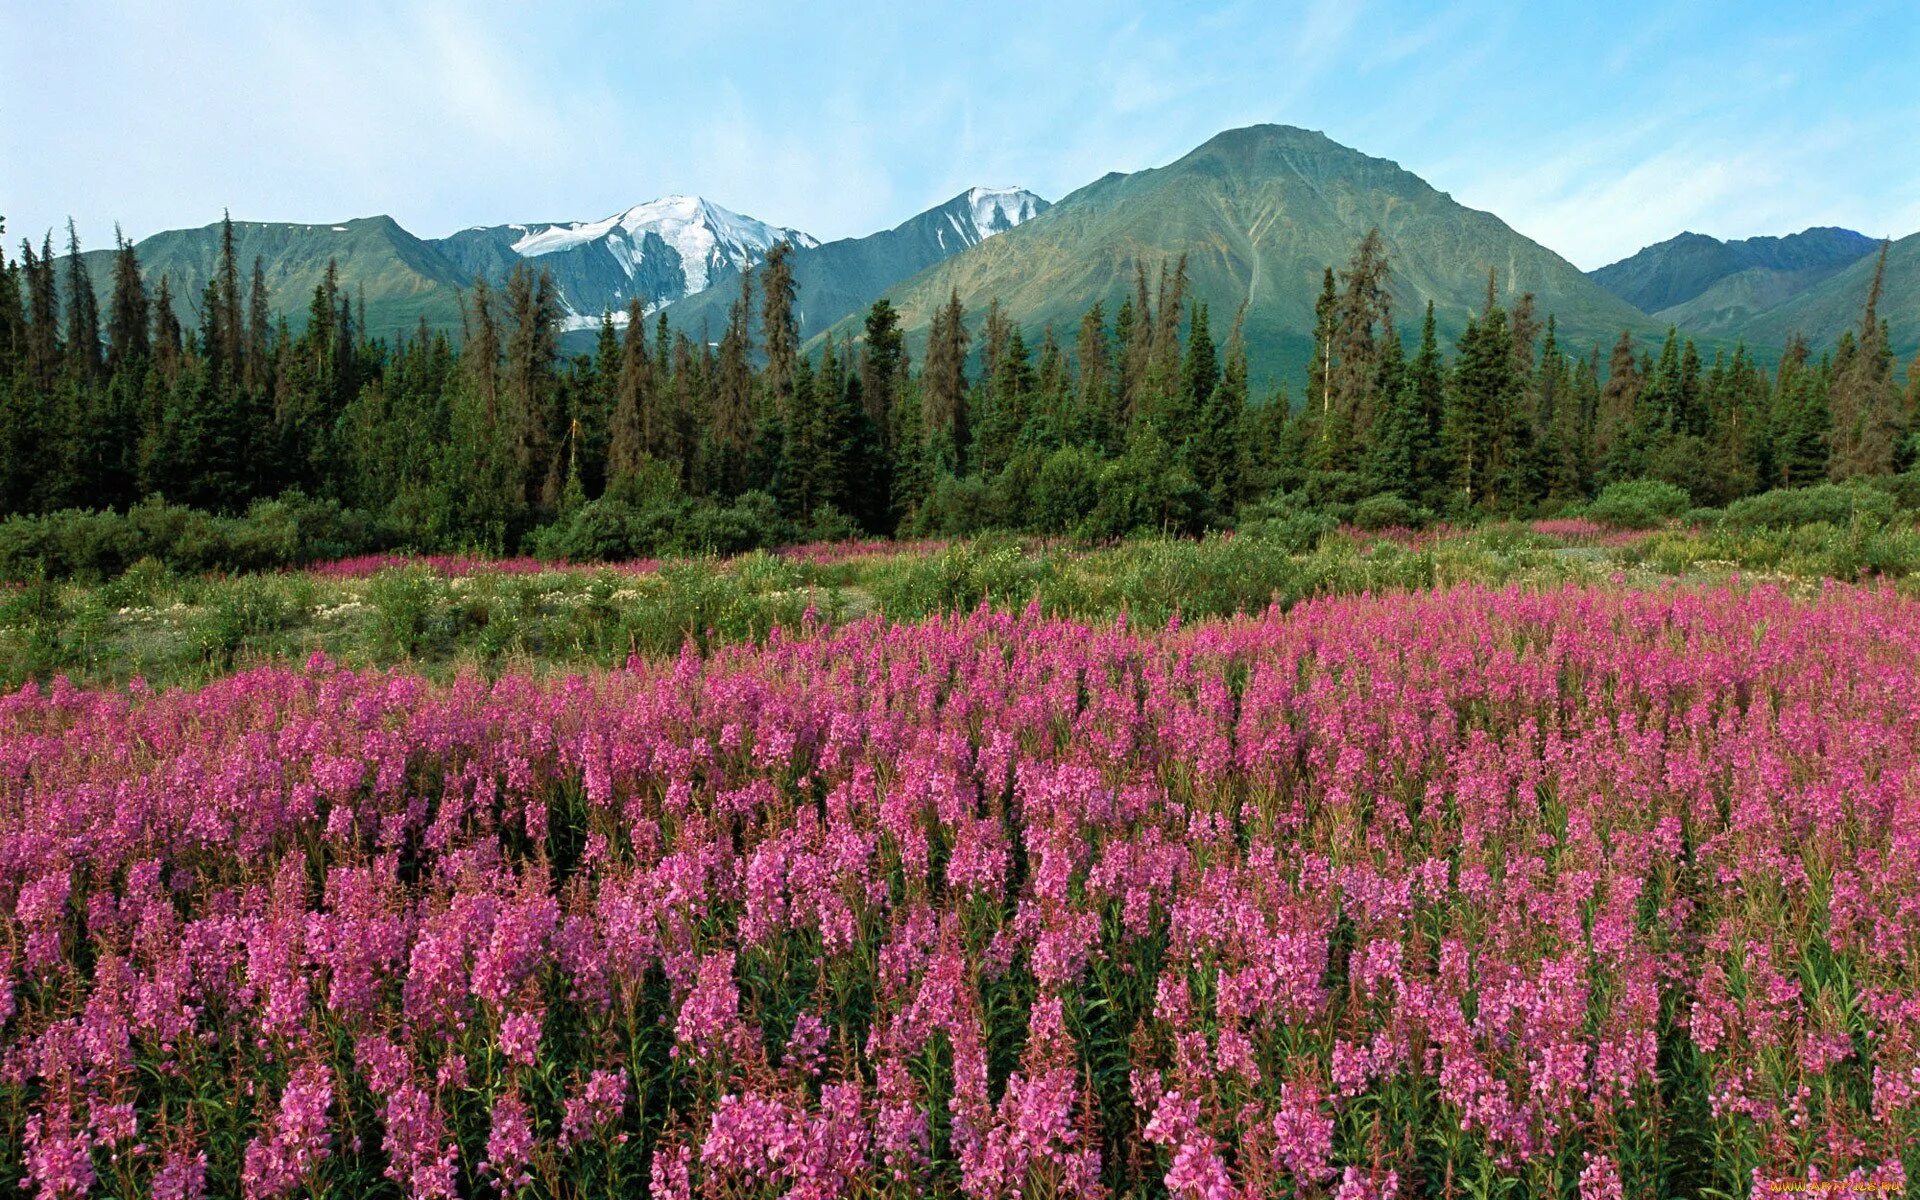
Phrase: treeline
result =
(657, 442)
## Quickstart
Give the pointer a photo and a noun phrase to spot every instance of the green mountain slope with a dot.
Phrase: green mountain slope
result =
(402, 278)
(1831, 307)
(844, 278)
(1696, 278)
(1259, 213)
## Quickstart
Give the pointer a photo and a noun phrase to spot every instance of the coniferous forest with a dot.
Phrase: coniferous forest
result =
(1140, 419)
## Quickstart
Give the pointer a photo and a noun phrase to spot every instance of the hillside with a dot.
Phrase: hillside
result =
(1667, 278)
(1259, 213)
(402, 278)
(1831, 307)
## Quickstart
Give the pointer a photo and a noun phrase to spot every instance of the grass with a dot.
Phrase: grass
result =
(172, 629)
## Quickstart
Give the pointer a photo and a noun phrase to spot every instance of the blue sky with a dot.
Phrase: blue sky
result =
(1594, 129)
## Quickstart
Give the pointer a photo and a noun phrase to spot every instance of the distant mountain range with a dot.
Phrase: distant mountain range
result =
(1259, 213)
(845, 277)
(657, 252)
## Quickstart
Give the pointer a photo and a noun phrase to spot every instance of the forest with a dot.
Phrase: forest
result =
(118, 419)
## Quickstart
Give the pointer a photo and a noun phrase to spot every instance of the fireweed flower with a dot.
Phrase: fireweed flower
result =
(991, 904)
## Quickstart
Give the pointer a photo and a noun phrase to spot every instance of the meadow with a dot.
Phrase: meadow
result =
(1544, 860)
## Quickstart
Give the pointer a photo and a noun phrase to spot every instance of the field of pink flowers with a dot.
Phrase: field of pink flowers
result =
(1577, 893)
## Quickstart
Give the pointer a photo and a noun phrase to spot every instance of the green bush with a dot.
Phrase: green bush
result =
(406, 602)
(1904, 488)
(1832, 504)
(241, 611)
(956, 508)
(1066, 490)
(98, 545)
(1145, 490)
(1639, 504)
(1384, 511)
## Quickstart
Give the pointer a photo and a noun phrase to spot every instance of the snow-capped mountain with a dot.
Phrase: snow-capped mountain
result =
(659, 252)
(977, 214)
(844, 277)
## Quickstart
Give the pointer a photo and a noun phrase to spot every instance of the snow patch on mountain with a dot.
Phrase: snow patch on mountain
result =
(996, 210)
(706, 237)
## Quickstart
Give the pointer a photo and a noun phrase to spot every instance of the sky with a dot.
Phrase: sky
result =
(1594, 129)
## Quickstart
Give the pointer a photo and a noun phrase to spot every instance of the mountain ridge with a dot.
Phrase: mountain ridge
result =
(1259, 213)
(841, 279)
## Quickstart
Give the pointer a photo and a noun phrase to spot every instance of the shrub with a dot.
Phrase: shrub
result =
(1639, 504)
(1904, 488)
(1384, 511)
(240, 611)
(1066, 490)
(1833, 504)
(1145, 490)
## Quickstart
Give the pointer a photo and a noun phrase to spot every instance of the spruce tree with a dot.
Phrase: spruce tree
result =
(1618, 414)
(1481, 401)
(1426, 381)
(1199, 377)
(129, 335)
(944, 387)
(1216, 457)
(1865, 402)
(729, 432)
(779, 327)
(1317, 417)
(1095, 420)
(43, 357)
(635, 432)
(84, 360)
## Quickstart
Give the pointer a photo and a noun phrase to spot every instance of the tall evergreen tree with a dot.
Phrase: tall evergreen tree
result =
(129, 335)
(944, 384)
(636, 429)
(1865, 402)
(1199, 377)
(730, 434)
(84, 360)
(779, 327)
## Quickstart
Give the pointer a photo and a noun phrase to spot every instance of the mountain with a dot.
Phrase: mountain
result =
(659, 252)
(1259, 213)
(844, 278)
(1833, 306)
(1708, 286)
(401, 277)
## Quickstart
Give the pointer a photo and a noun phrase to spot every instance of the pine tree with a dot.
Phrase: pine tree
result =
(167, 341)
(1133, 332)
(1618, 413)
(1199, 377)
(1096, 419)
(1399, 431)
(1216, 454)
(883, 364)
(1802, 425)
(1558, 419)
(1318, 415)
(129, 335)
(779, 327)
(1479, 415)
(1351, 358)
(43, 318)
(1865, 401)
(84, 361)
(635, 432)
(257, 351)
(1426, 381)
(944, 386)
